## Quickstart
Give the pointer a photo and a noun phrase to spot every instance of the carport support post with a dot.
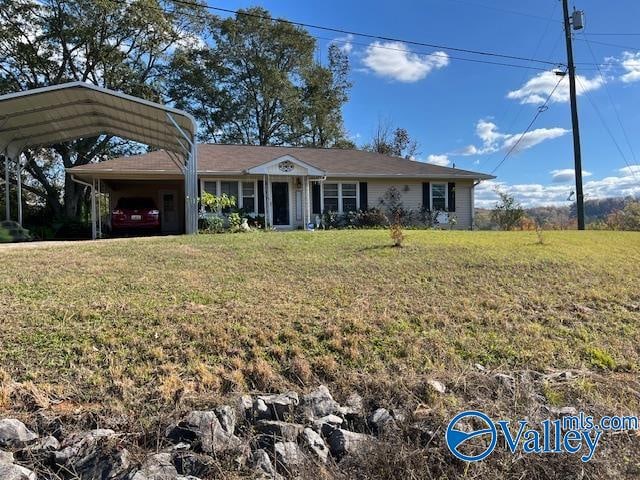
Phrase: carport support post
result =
(190, 179)
(19, 187)
(94, 232)
(7, 196)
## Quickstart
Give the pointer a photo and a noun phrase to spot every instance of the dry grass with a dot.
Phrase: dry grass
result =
(139, 326)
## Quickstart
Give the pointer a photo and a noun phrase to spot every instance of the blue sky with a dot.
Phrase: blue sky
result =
(469, 113)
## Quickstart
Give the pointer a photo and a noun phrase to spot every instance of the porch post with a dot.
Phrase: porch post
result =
(7, 196)
(93, 209)
(99, 210)
(264, 200)
(308, 200)
(19, 187)
(267, 204)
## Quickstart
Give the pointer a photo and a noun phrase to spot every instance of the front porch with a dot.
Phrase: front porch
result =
(281, 190)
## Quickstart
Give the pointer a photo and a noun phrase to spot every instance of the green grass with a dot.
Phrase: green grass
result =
(128, 323)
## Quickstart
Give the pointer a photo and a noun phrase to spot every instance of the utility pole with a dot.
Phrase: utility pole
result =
(577, 155)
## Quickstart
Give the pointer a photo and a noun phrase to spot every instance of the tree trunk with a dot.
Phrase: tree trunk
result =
(73, 195)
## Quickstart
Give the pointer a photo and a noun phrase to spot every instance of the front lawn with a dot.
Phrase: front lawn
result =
(128, 325)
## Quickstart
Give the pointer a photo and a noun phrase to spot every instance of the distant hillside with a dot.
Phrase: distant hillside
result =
(562, 216)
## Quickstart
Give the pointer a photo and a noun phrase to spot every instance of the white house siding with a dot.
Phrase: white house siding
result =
(410, 191)
(411, 196)
(464, 209)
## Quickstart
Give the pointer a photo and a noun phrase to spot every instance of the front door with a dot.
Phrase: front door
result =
(169, 221)
(280, 201)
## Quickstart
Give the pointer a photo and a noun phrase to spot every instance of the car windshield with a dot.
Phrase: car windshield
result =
(132, 203)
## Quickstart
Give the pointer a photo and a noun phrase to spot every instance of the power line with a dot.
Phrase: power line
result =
(615, 109)
(617, 34)
(637, 49)
(606, 127)
(434, 54)
(503, 10)
(383, 47)
(544, 33)
(541, 108)
(368, 35)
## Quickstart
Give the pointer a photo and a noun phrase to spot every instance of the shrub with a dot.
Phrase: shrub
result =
(370, 218)
(217, 203)
(235, 221)
(507, 212)
(211, 223)
(601, 358)
(626, 219)
(331, 220)
(395, 231)
(4, 236)
(11, 231)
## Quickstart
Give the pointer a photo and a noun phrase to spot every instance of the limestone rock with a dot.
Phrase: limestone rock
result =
(320, 403)
(343, 442)
(14, 433)
(156, 467)
(315, 444)
(9, 471)
(381, 420)
(95, 454)
(205, 431)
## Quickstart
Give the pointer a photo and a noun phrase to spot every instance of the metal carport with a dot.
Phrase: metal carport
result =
(49, 115)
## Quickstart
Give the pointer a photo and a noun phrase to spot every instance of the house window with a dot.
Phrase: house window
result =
(438, 197)
(230, 188)
(211, 187)
(349, 194)
(330, 197)
(249, 196)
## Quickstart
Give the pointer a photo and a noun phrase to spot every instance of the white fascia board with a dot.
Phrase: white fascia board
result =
(263, 168)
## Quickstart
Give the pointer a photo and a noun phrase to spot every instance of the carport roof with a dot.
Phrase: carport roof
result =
(49, 115)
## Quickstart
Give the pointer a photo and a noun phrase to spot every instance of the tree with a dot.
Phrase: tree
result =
(325, 93)
(110, 43)
(626, 219)
(265, 62)
(507, 212)
(194, 82)
(389, 141)
(257, 83)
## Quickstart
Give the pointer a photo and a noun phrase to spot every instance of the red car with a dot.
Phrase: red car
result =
(132, 213)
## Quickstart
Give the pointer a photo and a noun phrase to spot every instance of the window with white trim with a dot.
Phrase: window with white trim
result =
(349, 197)
(438, 197)
(211, 187)
(230, 188)
(331, 196)
(249, 196)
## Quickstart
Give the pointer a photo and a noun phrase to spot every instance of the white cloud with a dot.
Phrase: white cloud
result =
(345, 43)
(537, 89)
(533, 138)
(493, 140)
(535, 194)
(466, 151)
(394, 60)
(441, 160)
(565, 175)
(631, 63)
(630, 170)
(188, 41)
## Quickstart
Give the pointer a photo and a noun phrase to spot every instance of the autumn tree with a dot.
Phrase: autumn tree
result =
(258, 83)
(392, 141)
(115, 44)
